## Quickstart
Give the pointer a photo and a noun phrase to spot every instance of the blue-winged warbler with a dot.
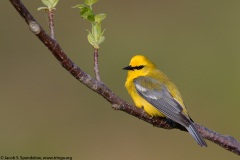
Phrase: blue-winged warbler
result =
(153, 91)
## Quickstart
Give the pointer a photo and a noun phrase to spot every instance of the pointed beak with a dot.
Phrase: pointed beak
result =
(128, 68)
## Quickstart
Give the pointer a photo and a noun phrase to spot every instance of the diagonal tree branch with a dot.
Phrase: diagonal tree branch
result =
(227, 142)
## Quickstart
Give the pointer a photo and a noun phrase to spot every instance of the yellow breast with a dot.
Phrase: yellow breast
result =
(140, 102)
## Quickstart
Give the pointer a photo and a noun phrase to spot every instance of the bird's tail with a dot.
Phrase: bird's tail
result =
(195, 134)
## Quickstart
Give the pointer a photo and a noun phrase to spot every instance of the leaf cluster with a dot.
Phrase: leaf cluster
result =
(95, 36)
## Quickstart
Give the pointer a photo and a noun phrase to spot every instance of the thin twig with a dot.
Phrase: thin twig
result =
(51, 22)
(227, 142)
(96, 69)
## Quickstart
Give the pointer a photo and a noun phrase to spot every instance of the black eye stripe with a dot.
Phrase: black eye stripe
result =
(137, 67)
(133, 68)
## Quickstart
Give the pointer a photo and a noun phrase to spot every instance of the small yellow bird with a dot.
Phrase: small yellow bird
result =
(153, 91)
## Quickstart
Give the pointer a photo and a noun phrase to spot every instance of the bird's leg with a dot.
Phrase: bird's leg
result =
(143, 112)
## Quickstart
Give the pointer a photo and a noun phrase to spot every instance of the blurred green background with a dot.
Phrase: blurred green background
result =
(46, 112)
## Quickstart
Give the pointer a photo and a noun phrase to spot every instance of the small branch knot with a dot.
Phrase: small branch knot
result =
(34, 27)
(116, 106)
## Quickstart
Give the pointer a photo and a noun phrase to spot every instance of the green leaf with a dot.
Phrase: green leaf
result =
(87, 13)
(55, 2)
(46, 3)
(42, 8)
(100, 17)
(90, 2)
(95, 32)
(99, 29)
(91, 39)
(80, 6)
(101, 39)
(50, 3)
(101, 35)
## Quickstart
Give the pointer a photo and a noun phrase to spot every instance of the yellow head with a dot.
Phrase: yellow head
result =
(139, 66)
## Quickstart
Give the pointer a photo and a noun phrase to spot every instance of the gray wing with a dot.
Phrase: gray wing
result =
(158, 95)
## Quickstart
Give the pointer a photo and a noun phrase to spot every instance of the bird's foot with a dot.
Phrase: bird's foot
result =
(143, 112)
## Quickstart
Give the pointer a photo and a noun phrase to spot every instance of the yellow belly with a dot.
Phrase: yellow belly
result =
(142, 103)
(148, 108)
